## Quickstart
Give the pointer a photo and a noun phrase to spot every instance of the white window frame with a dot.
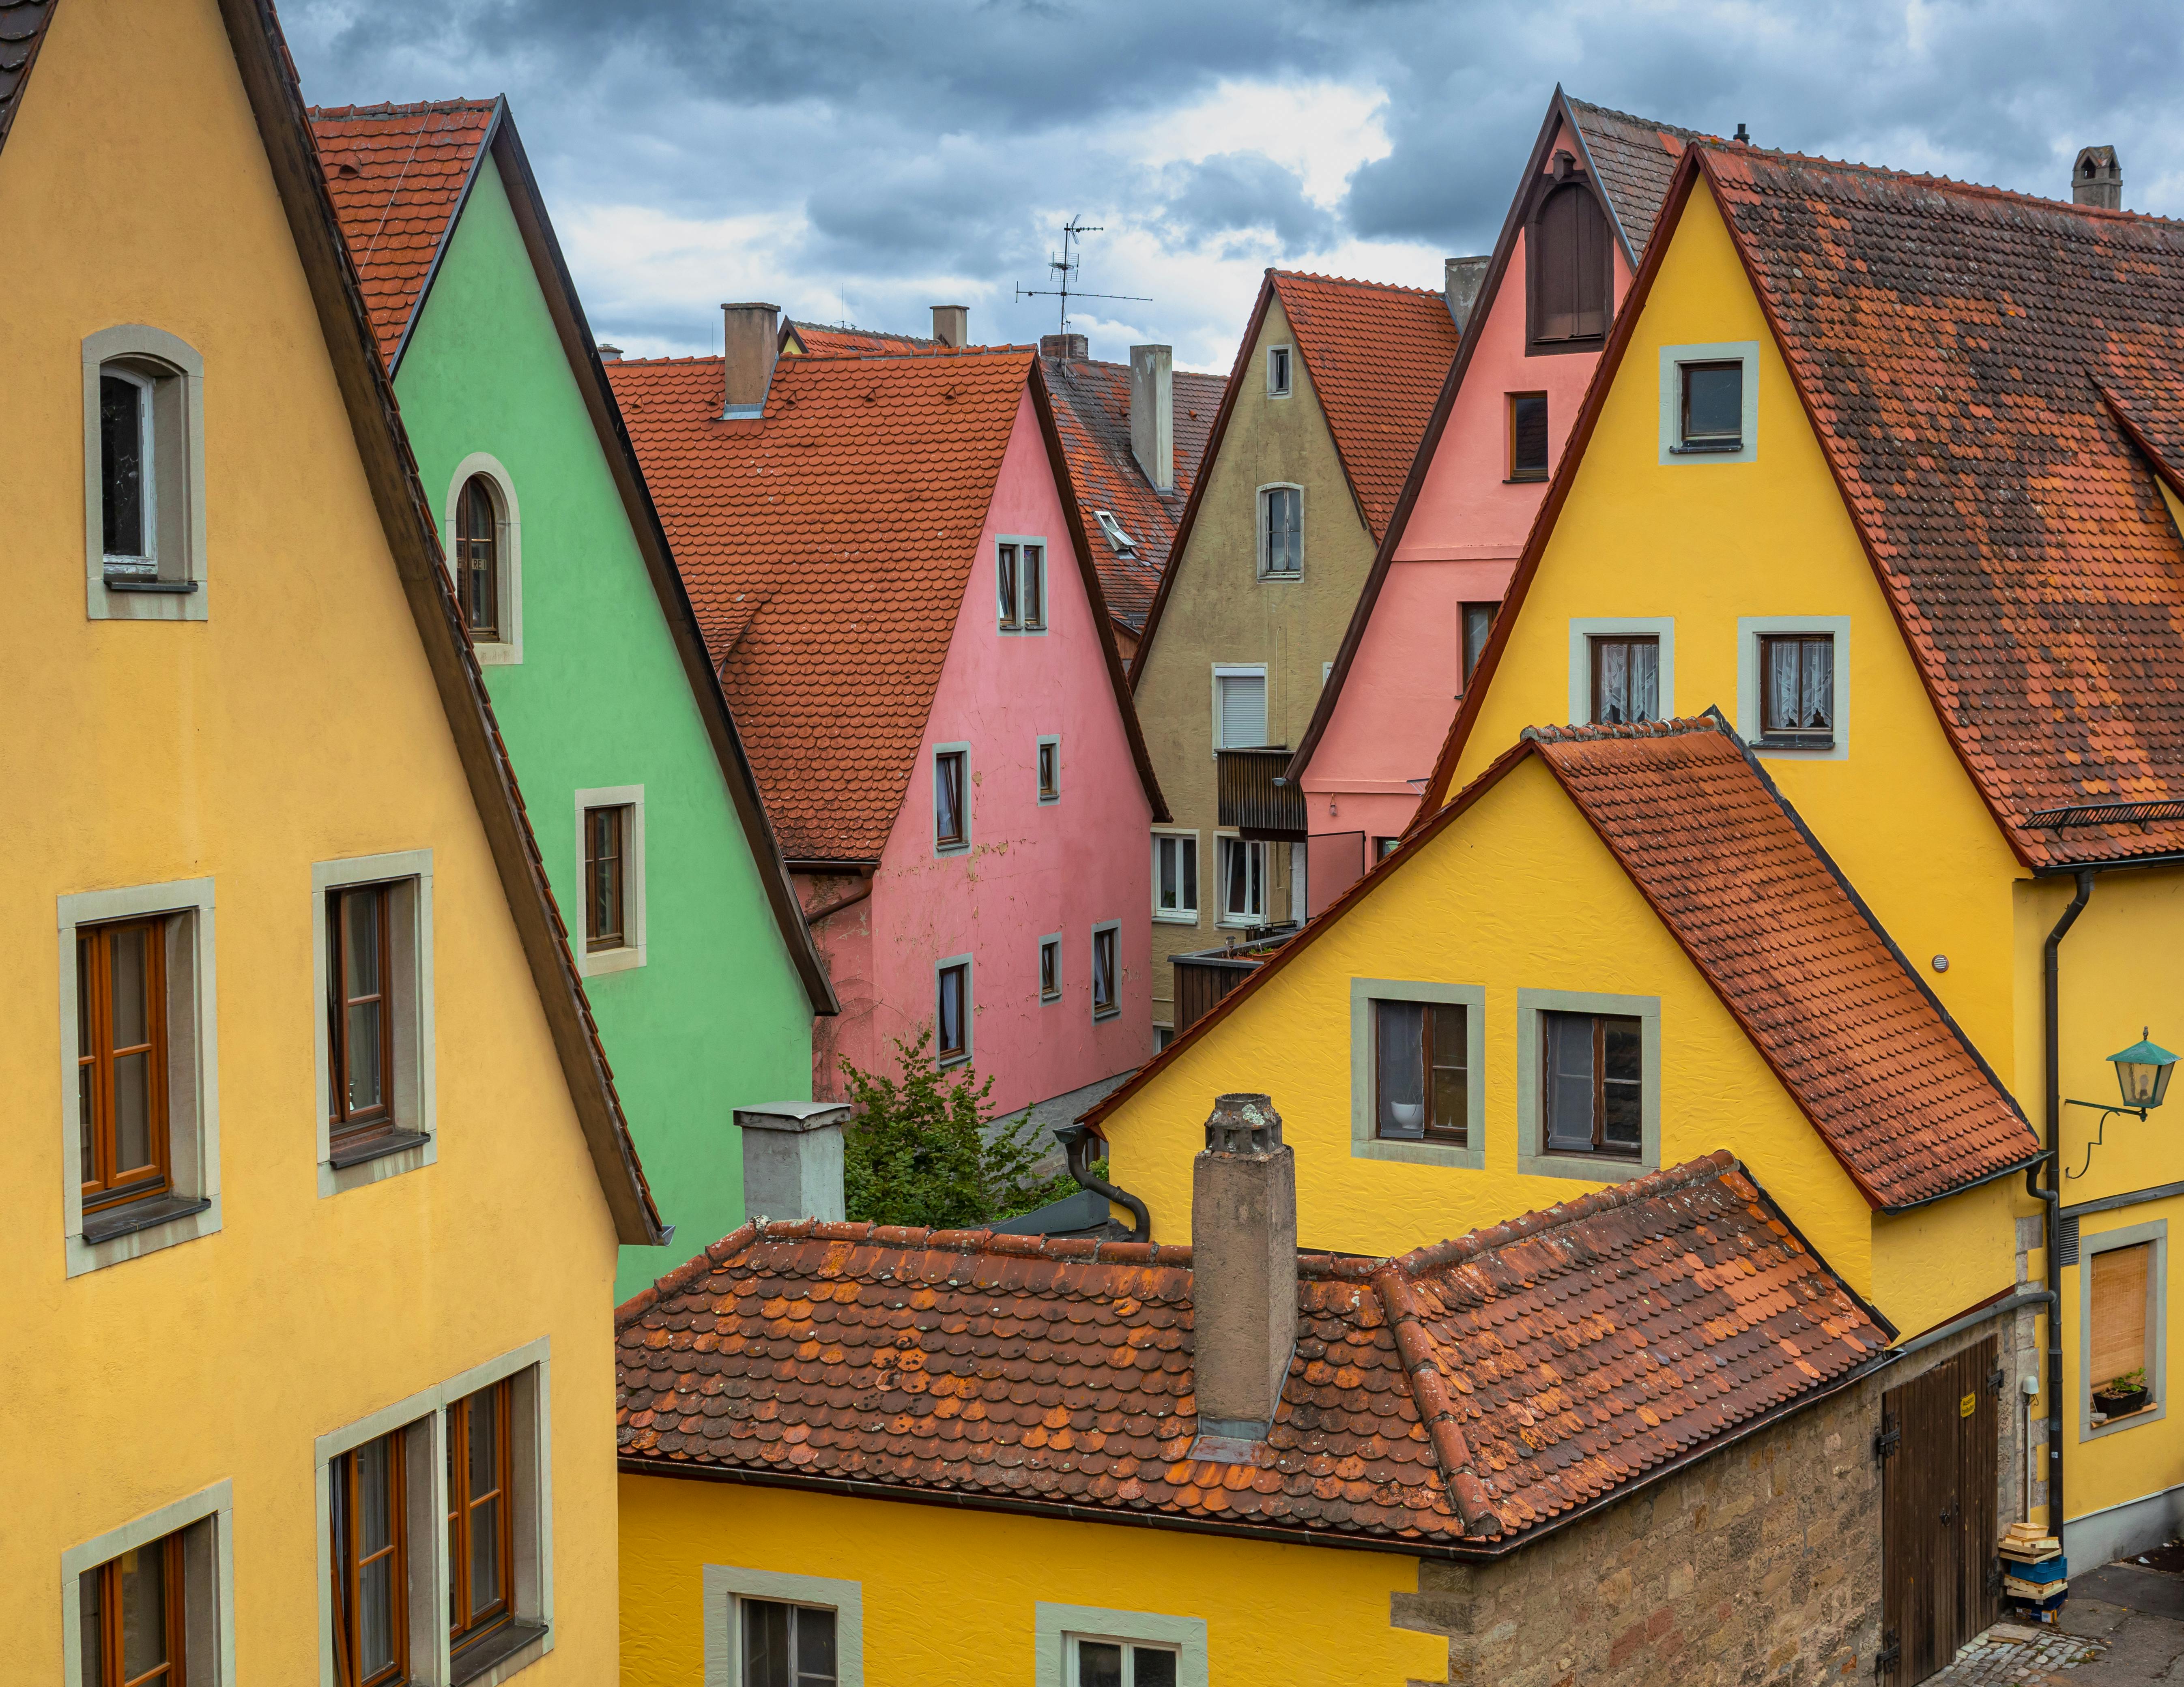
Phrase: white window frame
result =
(194, 1133)
(1045, 739)
(947, 851)
(1053, 1626)
(211, 1577)
(726, 1586)
(1222, 919)
(1583, 629)
(2091, 1243)
(1673, 358)
(1287, 362)
(1060, 984)
(423, 1415)
(1101, 1015)
(1178, 916)
(507, 650)
(153, 357)
(1116, 534)
(1224, 670)
(1017, 629)
(970, 966)
(415, 1079)
(1365, 1144)
(1751, 709)
(1531, 1121)
(1259, 538)
(591, 964)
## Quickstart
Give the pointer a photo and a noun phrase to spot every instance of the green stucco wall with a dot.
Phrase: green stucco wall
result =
(717, 1017)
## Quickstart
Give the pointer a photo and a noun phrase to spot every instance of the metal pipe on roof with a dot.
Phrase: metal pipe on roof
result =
(1076, 1142)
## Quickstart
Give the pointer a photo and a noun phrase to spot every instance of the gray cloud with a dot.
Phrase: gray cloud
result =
(1234, 191)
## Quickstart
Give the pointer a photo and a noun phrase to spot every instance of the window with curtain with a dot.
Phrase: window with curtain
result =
(370, 1564)
(1105, 999)
(477, 558)
(1281, 530)
(1568, 253)
(1592, 1088)
(360, 1028)
(1049, 969)
(1239, 712)
(951, 820)
(1798, 687)
(1006, 576)
(1243, 882)
(1421, 1057)
(1626, 679)
(1049, 770)
(951, 1013)
(480, 1517)
(787, 1645)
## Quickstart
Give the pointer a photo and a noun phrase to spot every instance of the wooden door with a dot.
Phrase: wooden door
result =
(1938, 1509)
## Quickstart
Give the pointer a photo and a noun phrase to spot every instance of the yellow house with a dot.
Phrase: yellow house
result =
(313, 1172)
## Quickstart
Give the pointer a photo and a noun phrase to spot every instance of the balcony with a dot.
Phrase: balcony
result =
(1202, 978)
(1253, 801)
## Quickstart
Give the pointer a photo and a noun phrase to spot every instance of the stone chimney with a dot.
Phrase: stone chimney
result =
(793, 1159)
(1243, 1252)
(1460, 279)
(610, 354)
(1070, 347)
(951, 323)
(753, 338)
(2096, 179)
(1152, 412)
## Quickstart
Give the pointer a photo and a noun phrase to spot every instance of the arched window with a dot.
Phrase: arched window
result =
(1567, 254)
(144, 472)
(477, 559)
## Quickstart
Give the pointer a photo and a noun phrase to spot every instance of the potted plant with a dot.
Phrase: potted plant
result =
(2121, 1395)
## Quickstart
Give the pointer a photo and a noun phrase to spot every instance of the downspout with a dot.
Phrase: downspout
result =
(2052, 1199)
(1076, 1142)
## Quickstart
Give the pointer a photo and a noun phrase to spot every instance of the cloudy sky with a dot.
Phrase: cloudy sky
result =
(860, 160)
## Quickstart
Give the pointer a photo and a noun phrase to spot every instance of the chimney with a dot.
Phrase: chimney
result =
(753, 339)
(1070, 347)
(610, 354)
(951, 323)
(1243, 1252)
(1152, 412)
(2097, 179)
(1461, 280)
(793, 1159)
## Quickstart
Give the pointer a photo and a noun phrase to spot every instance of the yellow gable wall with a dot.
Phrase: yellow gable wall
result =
(299, 724)
(1273, 1612)
(1710, 542)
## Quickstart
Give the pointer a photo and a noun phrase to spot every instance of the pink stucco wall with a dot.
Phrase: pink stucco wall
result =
(1032, 870)
(1460, 546)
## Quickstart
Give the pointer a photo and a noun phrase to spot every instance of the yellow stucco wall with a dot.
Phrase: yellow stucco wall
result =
(298, 724)
(1308, 1615)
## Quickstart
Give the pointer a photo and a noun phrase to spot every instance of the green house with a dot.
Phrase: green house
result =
(680, 913)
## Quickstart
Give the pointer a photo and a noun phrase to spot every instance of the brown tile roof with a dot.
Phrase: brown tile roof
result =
(1469, 1395)
(22, 27)
(398, 175)
(821, 339)
(1635, 159)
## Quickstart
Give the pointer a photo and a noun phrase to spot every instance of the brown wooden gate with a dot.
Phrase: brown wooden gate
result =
(1937, 1508)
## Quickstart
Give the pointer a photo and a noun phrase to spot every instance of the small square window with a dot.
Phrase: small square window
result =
(1175, 878)
(1711, 406)
(1478, 628)
(1422, 1076)
(1049, 770)
(1626, 679)
(951, 813)
(1277, 371)
(1107, 1000)
(1528, 436)
(1797, 689)
(951, 1012)
(1384, 847)
(1593, 1084)
(1281, 531)
(787, 1645)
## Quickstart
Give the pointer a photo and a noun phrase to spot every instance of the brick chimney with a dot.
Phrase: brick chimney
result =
(793, 1160)
(2096, 179)
(753, 338)
(1243, 1252)
(951, 323)
(1152, 412)
(1070, 347)
(1460, 279)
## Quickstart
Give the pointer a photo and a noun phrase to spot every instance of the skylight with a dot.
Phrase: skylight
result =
(1113, 529)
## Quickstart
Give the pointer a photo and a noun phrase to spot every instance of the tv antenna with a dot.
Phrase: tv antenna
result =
(1065, 268)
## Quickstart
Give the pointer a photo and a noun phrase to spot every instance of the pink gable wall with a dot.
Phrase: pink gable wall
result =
(1032, 870)
(1460, 545)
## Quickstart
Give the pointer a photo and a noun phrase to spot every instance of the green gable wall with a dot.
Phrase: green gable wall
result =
(717, 1018)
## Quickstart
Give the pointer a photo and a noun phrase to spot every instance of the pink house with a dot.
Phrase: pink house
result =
(895, 583)
(1569, 249)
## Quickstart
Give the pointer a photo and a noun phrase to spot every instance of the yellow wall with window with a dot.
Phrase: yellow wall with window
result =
(296, 724)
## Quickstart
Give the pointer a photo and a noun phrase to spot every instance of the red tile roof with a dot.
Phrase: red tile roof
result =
(398, 175)
(1469, 1395)
(819, 339)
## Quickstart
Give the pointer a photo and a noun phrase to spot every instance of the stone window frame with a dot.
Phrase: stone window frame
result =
(1532, 1159)
(507, 650)
(942, 851)
(193, 1090)
(415, 1071)
(1364, 1143)
(1287, 388)
(726, 1584)
(1750, 713)
(2090, 1243)
(1746, 352)
(1054, 1625)
(1583, 629)
(183, 592)
(1262, 550)
(208, 1581)
(590, 963)
(1060, 986)
(423, 1417)
(1043, 741)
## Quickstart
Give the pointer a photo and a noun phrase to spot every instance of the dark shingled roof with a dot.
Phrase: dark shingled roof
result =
(1635, 159)
(22, 27)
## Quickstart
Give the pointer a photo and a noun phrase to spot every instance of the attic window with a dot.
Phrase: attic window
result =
(1277, 371)
(1113, 529)
(1567, 261)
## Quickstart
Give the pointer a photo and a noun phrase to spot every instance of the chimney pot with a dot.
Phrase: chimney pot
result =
(1461, 280)
(610, 354)
(751, 334)
(951, 323)
(1070, 347)
(2096, 179)
(793, 1160)
(1152, 412)
(1243, 1250)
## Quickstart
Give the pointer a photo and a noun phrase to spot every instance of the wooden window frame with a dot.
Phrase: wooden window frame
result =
(1686, 441)
(1565, 174)
(480, 559)
(1431, 1131)
(946, 1054)
(345, 1128)
(1008, 586)
(466, 1628)
(954, 841)
(348, 1568)
(1795, 737)
(1522, 473)
(616, 816)
(1107, 936)
(1281, 358)
(1598, 643)
(106, 1578)
(1599, 1147)
(1048, 762)
(166, 580)
(1050, 968)
(1474, 637)
(1033, 585)
(95, 1065)
(797, 1674)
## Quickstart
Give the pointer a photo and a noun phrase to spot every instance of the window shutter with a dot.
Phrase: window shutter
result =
(2118, 1330)
(1243, 711)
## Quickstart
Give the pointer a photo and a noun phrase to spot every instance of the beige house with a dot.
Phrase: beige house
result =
(1323, 413)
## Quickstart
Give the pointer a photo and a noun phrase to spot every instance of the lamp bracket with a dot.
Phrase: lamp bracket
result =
(2103, 1109)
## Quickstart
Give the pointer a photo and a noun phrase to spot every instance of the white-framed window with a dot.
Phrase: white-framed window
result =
(484, 548)
(952, 1010)
(1793, 685)
(1020, 583)
(1417, 1052)
(2123, 1326)
(1049, 768)
(951, 798)
(1622, 668)
(1117, 536)
(1084, 1646)
(1588, 1084)
(1049, 967)
(769, 1629)
(1243, 883)
(154, 1600)
(371, 951)
(1281, 531)
(1106, 969)
(1175, 878)
(139, 1084)
(1239, 705)
(436, 1531)
(1710, 403)
(1278, 384)
(610, 870)
(144, 477)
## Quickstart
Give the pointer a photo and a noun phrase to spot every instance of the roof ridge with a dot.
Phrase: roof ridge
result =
(1676, 129)
(342, 113)
(1600, 732)
(1355, 281)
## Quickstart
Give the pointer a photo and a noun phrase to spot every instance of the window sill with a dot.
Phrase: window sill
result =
(1046, 1001)
(1591, 1169)
(498, 1647)
(1781, 741)
(1525, 480)
(1285, 577)
(1176, 918)
(1238, 925)
(395, 1142)
(126, 1219)
(1726, 447)
(949, 1062)
(1416, 1151)
(125, 583)
(593, 962)
(2150, 1409)
(1100, 1013)
(945, 850)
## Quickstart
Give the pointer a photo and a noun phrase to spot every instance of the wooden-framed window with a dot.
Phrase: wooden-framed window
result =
(1710, 406)
(1528, 436)
(121, 1061)
(1120, 1663)
(1568, 258)
(1243, 882)
(1277, 371)
(1421, 1061)
(1049, 969)
(477, 558)
(606, 855)
(1034, 587)
(1384, 847)
(370, 1564)
(1175, 878)
(132, 1609)
(1626, 678)
(1107, 975)
(1477, 626)
(1797, 687)
(1592, 1083)
(143, 470)
(951, 813)
(1007, 572)
(951, 1012)
(787, 1645)
(1049, 770)
(1281, 531)
(360, 1013)
(480, 1516)
(1020, 585)
(2123, 1376)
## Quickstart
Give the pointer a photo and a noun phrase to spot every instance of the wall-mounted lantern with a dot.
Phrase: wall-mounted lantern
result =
(2142, 1074)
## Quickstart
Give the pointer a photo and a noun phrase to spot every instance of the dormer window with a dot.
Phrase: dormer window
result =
(1277, 371)
(1123, 543)
(1569, 263)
